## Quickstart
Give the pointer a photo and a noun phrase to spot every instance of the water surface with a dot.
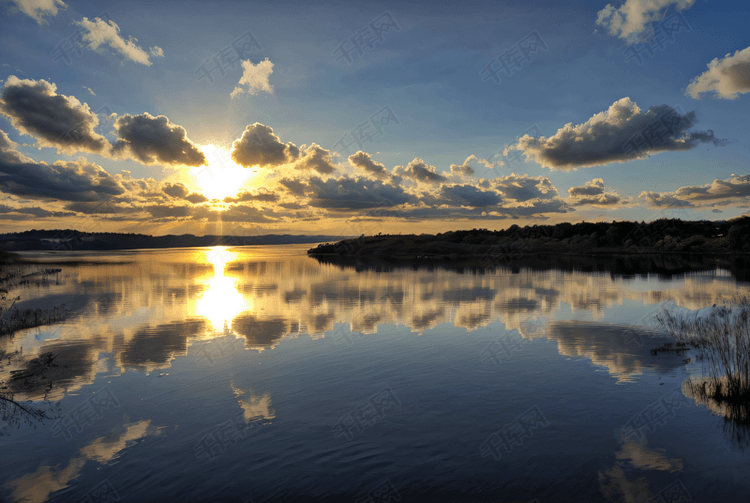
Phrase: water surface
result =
(258, 374)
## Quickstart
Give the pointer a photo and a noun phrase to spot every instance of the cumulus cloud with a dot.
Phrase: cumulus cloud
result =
(254, 78)
(630, 19)
(175, 190)
(728, 77)
(70, 181)
(154, 140)
(420, 171)
(62, 122)
(347, 193)
(522, 188)
(734, 191)
(592, 193)
(259, 146)
(315, 158)
(620, 134)
(464, 170)
(100, 33)
(39, 8)
(363, 161)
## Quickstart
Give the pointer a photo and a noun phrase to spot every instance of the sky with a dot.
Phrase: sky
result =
(346, 119)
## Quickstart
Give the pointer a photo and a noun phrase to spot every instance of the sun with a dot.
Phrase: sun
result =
(221, 177)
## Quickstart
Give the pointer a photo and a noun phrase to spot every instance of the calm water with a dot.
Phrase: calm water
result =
(257, 374)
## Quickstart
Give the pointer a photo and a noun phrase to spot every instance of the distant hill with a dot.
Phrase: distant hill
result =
(75, 240)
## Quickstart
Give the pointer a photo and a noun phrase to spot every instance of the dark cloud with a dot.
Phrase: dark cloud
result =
(523, 187)
(593, 188)
(24, 212)
(175, 190)
(155, 140)
(62, 122)
(620, 134)
(66, 180)
(362, 160)
(259, 146)
(420, 171)
(262, 195)
(467, 195)
(347, 193)
(592, 193)
(179, 191)
(317, 159)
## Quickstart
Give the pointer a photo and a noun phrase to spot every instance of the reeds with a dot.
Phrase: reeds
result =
(722, 338)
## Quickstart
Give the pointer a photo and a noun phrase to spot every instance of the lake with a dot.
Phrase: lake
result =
(258, 374)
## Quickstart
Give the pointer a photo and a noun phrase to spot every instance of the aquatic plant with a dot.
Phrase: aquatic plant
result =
(722, 340)
(33, 376)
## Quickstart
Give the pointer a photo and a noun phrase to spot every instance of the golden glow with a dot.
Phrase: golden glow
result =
(222, 177)
(221, 303)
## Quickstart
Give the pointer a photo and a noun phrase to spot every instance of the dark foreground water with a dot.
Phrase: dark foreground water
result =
(257, 374)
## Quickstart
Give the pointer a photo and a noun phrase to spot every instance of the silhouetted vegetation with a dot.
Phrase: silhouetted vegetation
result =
(659, 236)
(722, 339)
(69, 240)
(33, 375)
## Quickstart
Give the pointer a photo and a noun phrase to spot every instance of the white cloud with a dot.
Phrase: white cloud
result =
(102, 33)
(630, 19)
(39, 8)
(728, 77)
(255, 78)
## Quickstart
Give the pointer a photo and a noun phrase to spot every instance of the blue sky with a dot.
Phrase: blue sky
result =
(419, 89)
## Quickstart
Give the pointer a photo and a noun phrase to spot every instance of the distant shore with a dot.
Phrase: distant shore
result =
(72, 240)
(681, 245)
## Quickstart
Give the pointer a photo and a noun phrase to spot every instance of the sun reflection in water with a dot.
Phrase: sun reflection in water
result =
(221, 303)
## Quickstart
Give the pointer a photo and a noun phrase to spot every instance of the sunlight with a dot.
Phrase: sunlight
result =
(221, 303)
(222, 177)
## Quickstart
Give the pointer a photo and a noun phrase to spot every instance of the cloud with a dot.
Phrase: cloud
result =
(728, 77)
(420, 171)
(69, 181)
(259, 146)
(99, 33)
(315, 158)
(468, 195)
(363, 161)
(663, 200)
(523, 188)
(464, 170)
(175, 190)
(179, 191)
(347, 193)
(262, 195)
(89, 90)
(254, 78)
(592, 193)
(154, 140)
(39, 8)
(734, 191)
(620, 134)
(630, 19)
(62, 122)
